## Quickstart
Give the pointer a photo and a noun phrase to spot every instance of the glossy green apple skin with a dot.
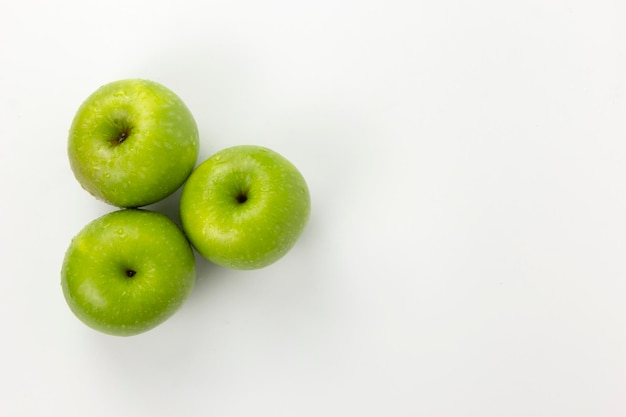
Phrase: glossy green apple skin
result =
(127, 271)
(245, 207)
(132, 143)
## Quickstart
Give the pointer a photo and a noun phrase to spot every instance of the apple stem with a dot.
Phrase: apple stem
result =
(123, 135)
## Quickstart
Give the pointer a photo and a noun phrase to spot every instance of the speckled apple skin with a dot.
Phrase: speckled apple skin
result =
(254, 233)
(155, 155)
(95, 275)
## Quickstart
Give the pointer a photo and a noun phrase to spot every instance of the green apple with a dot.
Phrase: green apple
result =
(244, 207)
(132, 143)
(127, 271)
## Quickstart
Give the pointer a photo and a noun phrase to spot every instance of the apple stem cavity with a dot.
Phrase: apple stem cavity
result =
(130, 273)
(121, 137)
(242, 197)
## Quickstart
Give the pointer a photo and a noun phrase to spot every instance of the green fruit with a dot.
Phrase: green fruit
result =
(127, 271)
(244, 207)
(132, 143)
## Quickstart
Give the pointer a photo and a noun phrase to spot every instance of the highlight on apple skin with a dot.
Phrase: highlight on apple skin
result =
(127, 272)
(245, 207)
(132, 143)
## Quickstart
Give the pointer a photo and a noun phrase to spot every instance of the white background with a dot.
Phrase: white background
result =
(465, 254)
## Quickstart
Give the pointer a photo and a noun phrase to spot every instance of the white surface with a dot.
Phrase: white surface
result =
(465, 254)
